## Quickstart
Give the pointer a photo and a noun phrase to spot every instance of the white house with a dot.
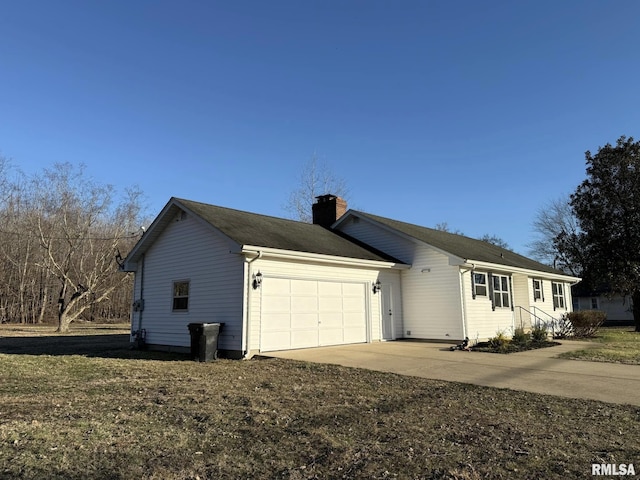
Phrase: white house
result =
(619, 309)
(350, 277)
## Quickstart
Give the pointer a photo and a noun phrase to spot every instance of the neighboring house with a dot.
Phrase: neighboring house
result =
(619, 309)
(351, 277)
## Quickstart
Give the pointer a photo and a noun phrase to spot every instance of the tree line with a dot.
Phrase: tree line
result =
(61, 237)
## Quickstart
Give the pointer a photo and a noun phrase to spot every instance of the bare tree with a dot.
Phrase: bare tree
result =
(444, 227)
(60, 233)
(315, 179)
(555, 225)
(495, 240)
(80, 232)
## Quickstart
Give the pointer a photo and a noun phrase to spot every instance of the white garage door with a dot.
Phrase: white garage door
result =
(310, 313)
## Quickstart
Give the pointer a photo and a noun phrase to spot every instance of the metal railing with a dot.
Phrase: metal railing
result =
(549, 322)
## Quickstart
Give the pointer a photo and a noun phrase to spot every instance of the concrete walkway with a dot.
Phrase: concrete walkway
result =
(536, 371)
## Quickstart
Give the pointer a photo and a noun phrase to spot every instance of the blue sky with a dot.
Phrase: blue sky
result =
(465, 112)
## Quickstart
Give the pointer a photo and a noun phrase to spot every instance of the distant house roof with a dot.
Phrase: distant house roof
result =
(245, 228)
(469, 249)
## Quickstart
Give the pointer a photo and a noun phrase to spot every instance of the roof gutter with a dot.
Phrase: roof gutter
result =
(318, 257)
(509, 269)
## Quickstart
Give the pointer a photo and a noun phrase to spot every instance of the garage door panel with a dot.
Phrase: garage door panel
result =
(276, 286)
(351, 304)
(352, 319)
(304, 304)
(276, 304)
(330, 304)
(331, 336)
(304, 320)
(331, 320)
(304, 338)
(330, 289)
(304, 287)
(277, 340)
(354, 335)
(280, 322)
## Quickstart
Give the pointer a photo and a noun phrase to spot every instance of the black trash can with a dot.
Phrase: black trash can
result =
(204, 341)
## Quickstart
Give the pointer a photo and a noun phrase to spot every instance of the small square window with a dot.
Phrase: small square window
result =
(480, 284)
(180, 295)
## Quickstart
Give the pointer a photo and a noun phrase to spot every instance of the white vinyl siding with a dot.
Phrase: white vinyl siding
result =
(541, 308)
(189, 249)
(483, 321)
(384, 240)
(431, 297)
(522, 309)
(431, 303)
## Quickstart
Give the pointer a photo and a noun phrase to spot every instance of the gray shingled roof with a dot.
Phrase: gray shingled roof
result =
(247, 228)
(463, 247)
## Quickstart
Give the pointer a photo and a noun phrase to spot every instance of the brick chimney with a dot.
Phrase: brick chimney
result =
(328, 209)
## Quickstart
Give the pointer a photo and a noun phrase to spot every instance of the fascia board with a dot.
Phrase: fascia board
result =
(316, 257)
(531, 273)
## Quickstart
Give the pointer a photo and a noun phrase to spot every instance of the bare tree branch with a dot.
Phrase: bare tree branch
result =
(315, 179)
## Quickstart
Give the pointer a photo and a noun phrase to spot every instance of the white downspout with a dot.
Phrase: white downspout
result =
(469, 268)
(247, 320)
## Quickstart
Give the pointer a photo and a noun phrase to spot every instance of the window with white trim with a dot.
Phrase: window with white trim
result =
(594, 303)
(180, 296)
(537, 290)
(558, 295)
(501, 291)
(480, 283)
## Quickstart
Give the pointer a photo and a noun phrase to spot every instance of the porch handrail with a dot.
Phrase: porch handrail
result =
(551, 317)
(549, 324)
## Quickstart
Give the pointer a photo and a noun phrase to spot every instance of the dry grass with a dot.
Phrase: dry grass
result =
(113, 413)
(611, 344)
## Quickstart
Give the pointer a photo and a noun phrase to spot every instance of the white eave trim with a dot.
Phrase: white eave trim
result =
(475, 265)
(251, 250)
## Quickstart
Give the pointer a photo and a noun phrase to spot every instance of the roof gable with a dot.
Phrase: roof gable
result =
(469, 249)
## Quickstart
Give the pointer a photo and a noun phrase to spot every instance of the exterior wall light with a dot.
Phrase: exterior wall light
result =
(257, 280)
(377, 286)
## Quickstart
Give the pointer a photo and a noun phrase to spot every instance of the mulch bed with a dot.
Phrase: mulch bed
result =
(512, 347)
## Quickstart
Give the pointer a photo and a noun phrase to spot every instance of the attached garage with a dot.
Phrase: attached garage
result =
(298, 313)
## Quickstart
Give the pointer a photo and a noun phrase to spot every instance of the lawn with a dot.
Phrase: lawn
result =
(85, 406)
(612, 344)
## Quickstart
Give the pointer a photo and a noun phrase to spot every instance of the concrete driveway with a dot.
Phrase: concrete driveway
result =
(532, 371)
